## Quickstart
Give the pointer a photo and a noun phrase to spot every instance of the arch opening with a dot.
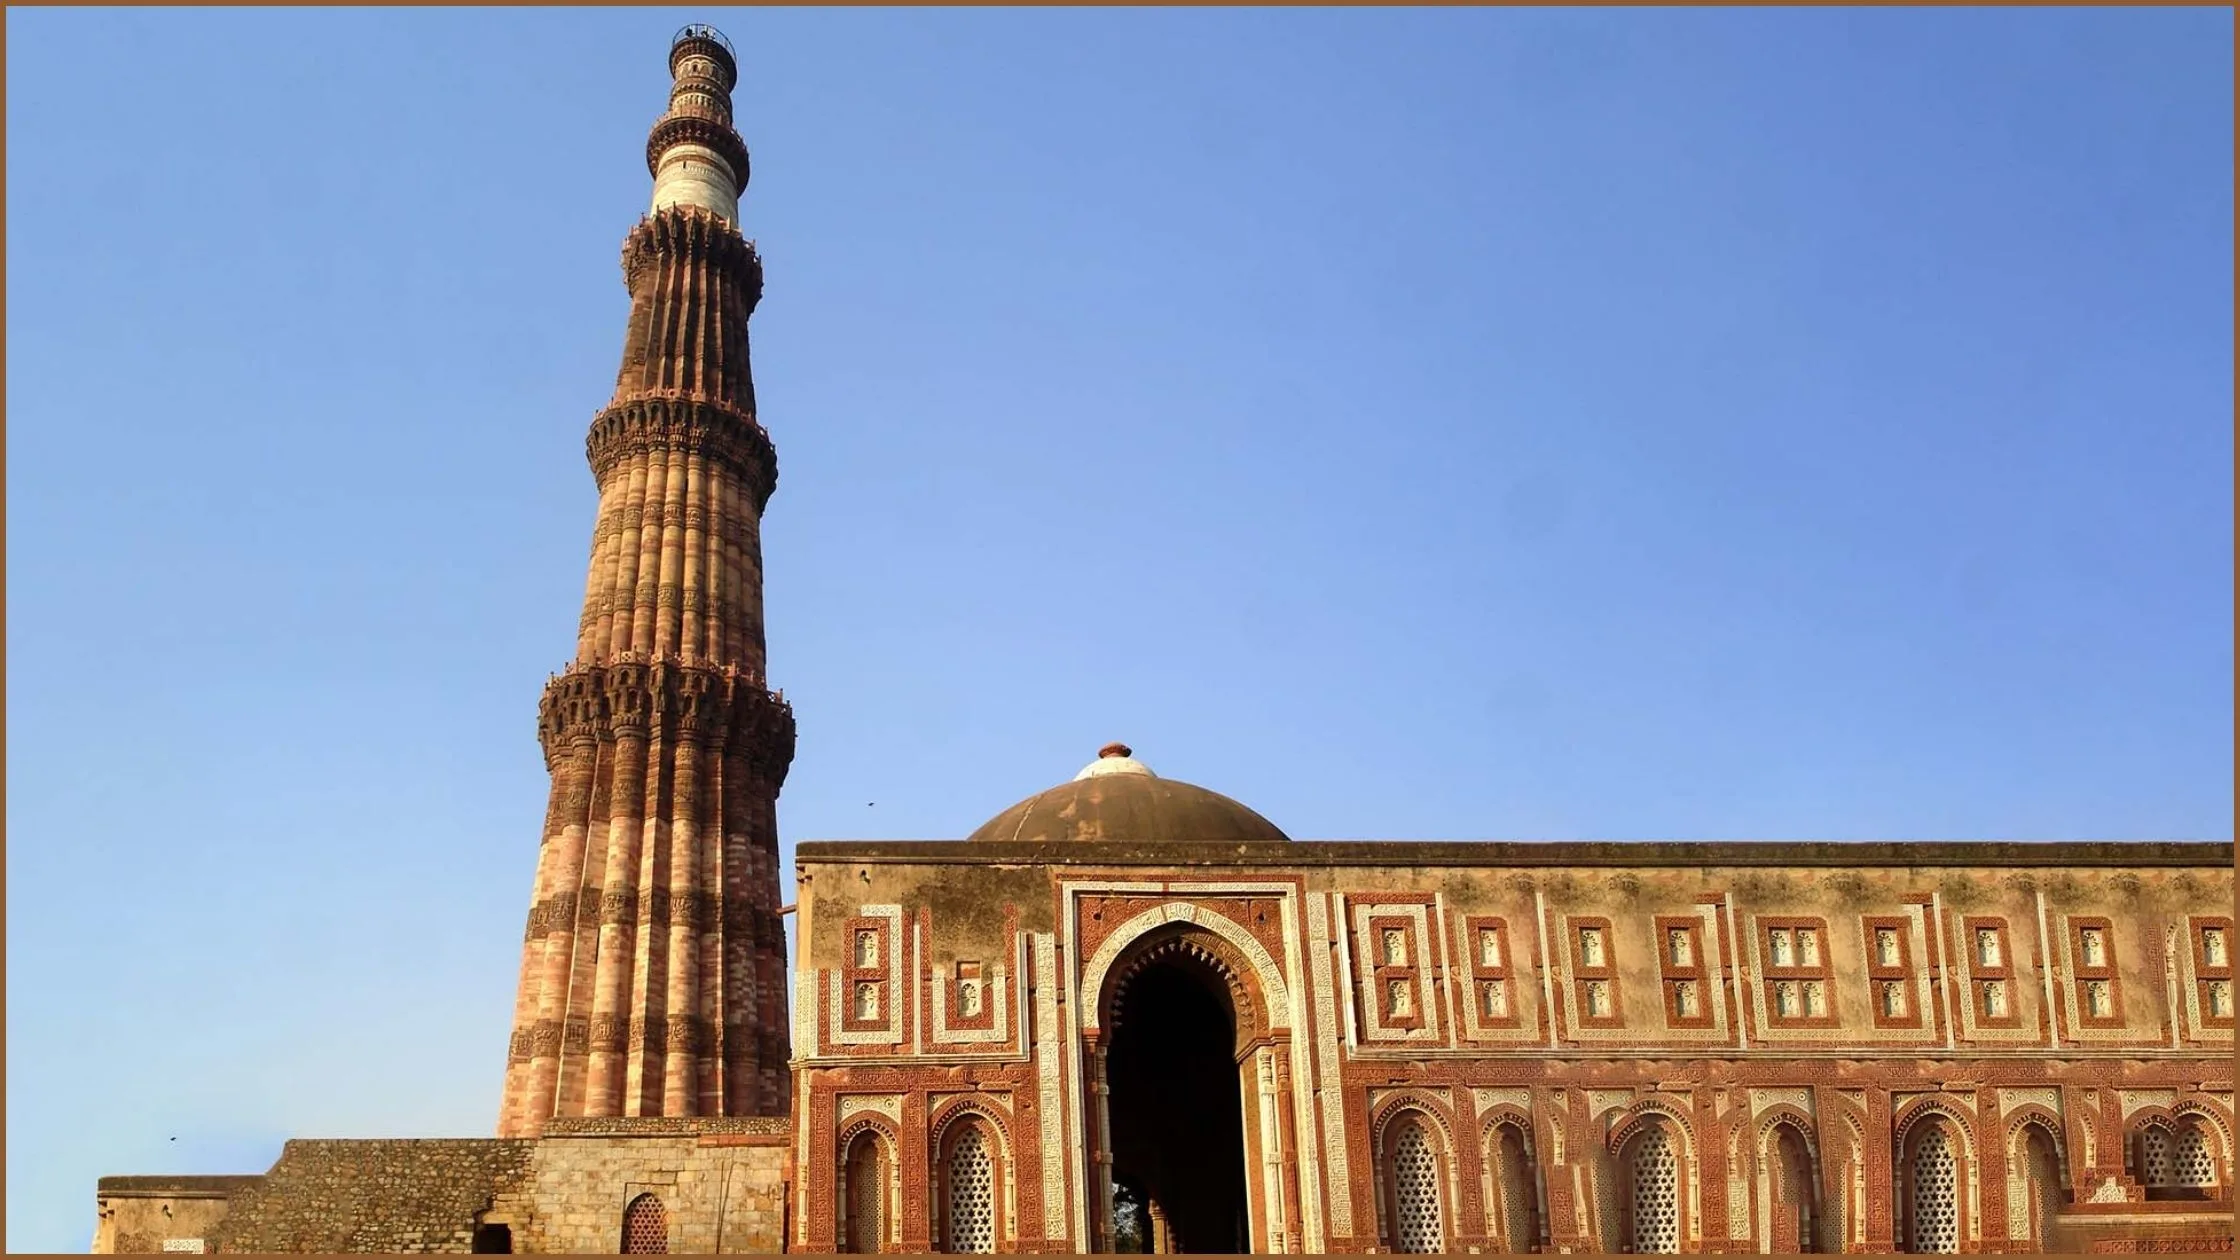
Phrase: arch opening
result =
(1932, 1192)
(645, 1227)
(1176, 1108)
(1795, 1216)
(2040, 1167)
(1413, 1179)
(864, 1194)
(2177, 1160)
(1653, 1193)
(970, 1190)
(1516, 1196)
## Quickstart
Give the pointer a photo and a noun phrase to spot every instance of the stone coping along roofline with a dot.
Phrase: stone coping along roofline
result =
(1884, 853)
(667, 1126)
(183, 1187)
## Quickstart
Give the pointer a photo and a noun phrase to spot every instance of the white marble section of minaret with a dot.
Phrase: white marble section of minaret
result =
(693, 175)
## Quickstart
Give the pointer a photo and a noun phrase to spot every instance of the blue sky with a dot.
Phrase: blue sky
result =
(1417, 424)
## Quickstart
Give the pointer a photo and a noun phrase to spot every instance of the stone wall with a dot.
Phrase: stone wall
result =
(721, 1182)
(142, 1214)
(373, 1195)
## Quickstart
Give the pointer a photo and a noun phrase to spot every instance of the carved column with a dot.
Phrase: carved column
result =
(1881, 1174)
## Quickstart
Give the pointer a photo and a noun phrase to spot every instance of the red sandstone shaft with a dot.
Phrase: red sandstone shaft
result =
(652, 954)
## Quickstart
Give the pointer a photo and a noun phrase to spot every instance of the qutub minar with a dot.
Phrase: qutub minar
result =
(653, 977)
(1132, 1014)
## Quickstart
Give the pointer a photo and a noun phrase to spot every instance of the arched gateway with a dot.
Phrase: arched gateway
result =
(1175, 1097)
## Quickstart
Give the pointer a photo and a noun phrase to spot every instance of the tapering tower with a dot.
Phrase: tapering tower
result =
(653, 972)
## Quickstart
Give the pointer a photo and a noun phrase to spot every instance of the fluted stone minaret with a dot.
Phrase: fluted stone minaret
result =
(653, 973)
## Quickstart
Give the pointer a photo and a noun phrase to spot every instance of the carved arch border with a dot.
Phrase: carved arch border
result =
(2043, 1117)
(2203, 1106)
(1274, 996)
(2170, 1119)
(1842, 1165)
(1193, 947)
(952, 1110)
(1637, 1117)
(1509, 1114)
(1410, 1099)
(1808, 1130)
(1952, 1109)
(1851, 1143)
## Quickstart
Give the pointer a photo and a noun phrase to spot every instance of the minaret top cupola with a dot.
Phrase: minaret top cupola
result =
(697, 159)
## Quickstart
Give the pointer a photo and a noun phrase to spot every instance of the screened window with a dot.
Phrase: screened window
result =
(1656, 1195)
(1415, 1191)
(1936, 1196)
(865, 1196)
(645, 1227)
(972, 1194)
(2156, 1167)
(2192, 1162)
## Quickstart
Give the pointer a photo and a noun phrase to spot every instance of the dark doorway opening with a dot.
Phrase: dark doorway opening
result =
(1177, 1113)
(492, 1239)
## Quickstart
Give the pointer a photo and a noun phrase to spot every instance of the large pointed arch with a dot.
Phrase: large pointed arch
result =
(1248, 966)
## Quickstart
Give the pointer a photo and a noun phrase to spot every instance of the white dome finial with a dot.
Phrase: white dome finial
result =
(1114, 759)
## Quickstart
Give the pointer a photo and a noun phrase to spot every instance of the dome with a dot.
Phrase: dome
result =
(1117, 797)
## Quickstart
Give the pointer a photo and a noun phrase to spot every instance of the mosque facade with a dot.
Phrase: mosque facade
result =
(1132, 1014)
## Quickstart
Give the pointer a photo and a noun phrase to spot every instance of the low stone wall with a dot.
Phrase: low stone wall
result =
(722, 1187)
(143, 1214)
(374, 1195)
(721, 1183)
